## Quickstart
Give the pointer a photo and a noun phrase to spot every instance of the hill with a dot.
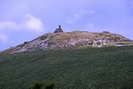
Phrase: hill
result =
(86, 68)
(77, 39)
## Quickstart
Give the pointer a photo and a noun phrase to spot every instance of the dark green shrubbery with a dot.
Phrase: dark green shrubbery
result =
(37, 86)
(87, 68)
(43, 85)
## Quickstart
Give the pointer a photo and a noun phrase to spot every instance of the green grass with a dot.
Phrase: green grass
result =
(90, 68)
(126, 43)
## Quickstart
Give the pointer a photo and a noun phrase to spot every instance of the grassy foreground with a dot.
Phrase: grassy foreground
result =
(90, 68)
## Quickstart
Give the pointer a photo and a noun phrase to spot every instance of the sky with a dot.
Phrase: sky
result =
(24, 20)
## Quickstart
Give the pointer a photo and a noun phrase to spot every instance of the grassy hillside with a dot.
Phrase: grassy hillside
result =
(91, 68)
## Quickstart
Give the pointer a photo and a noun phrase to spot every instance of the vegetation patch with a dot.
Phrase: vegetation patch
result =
(86, 68)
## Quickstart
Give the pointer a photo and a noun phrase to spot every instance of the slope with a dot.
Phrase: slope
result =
(90, 68)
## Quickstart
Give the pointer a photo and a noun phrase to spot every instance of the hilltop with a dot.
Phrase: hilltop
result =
(77, 39)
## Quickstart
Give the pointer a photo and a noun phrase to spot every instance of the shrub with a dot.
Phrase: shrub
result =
(25, 42)
(50, 86)
(43, 85)
(37, 86)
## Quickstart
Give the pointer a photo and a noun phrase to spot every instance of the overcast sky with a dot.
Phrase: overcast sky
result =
(24, 20)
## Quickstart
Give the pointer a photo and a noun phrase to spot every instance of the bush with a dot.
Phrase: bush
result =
(43, 85)
(25, 42)
(50, 86)
(37, 86)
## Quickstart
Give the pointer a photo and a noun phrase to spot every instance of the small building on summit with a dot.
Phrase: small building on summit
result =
(59, 29)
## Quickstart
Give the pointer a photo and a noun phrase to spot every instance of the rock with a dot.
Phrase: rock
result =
(69, 40)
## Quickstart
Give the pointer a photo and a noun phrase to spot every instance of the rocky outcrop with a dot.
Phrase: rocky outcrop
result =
(69, 40)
